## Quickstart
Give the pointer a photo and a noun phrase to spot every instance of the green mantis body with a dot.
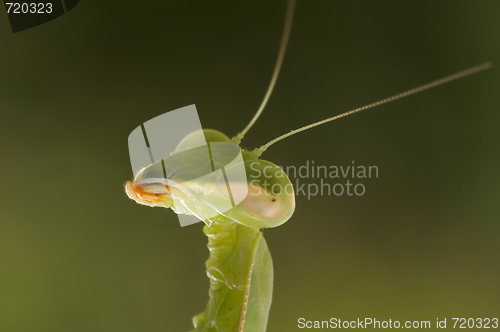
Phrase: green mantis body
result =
(240, 267)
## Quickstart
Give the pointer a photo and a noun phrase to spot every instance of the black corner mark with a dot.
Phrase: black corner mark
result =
(70, 4)
(28, 14)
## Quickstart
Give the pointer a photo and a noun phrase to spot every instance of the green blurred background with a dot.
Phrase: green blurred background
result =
(423, 242)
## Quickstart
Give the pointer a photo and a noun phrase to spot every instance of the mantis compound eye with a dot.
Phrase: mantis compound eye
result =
(271, 199)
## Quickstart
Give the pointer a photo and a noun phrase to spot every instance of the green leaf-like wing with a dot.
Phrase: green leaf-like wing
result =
(240, 271)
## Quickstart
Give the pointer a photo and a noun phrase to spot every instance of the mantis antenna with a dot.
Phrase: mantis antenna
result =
(380, 102)
(281, 54)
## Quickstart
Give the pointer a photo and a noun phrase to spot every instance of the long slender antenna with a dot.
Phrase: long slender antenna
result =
(380, 102)
(281, 54)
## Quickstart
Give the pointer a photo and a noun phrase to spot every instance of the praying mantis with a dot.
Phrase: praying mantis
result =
(240, 267)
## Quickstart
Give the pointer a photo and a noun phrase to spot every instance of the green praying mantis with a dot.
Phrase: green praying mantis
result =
(240, 267)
